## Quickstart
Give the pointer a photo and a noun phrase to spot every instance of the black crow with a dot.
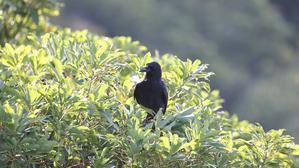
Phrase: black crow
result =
(151, 92)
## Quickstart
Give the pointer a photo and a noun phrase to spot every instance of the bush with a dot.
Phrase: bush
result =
(20, 17)
(66, 101)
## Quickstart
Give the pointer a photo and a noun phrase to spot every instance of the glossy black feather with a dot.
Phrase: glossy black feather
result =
(151, 92)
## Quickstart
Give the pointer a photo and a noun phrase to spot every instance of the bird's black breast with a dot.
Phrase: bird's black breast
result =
(151, 94)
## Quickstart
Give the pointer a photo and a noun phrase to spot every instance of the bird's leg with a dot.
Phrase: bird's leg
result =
(150, 116)
(147, 119)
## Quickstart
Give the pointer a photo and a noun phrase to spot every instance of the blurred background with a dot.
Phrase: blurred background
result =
(251, 45)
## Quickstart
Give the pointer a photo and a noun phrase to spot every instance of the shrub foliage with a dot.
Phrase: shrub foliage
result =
(66, 100)
(20, 17)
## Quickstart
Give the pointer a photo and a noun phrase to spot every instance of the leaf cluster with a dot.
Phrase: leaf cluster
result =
(20, 17)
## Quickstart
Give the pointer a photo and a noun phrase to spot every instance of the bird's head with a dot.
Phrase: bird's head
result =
(153, 70)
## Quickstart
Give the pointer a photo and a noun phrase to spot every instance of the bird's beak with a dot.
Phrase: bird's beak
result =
(144, 69)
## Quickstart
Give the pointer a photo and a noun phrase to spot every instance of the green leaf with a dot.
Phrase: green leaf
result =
(164, 142)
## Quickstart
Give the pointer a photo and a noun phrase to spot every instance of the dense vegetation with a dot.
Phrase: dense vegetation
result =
(248, 44)
(18, 18)
(66, 101)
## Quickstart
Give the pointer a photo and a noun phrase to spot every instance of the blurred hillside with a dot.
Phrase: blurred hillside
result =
(252, 46)
(289, 10)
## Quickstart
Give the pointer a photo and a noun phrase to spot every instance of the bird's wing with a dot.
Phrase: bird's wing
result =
(164, 98)
(136, 92)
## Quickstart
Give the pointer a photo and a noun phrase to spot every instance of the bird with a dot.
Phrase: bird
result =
(151, 93)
